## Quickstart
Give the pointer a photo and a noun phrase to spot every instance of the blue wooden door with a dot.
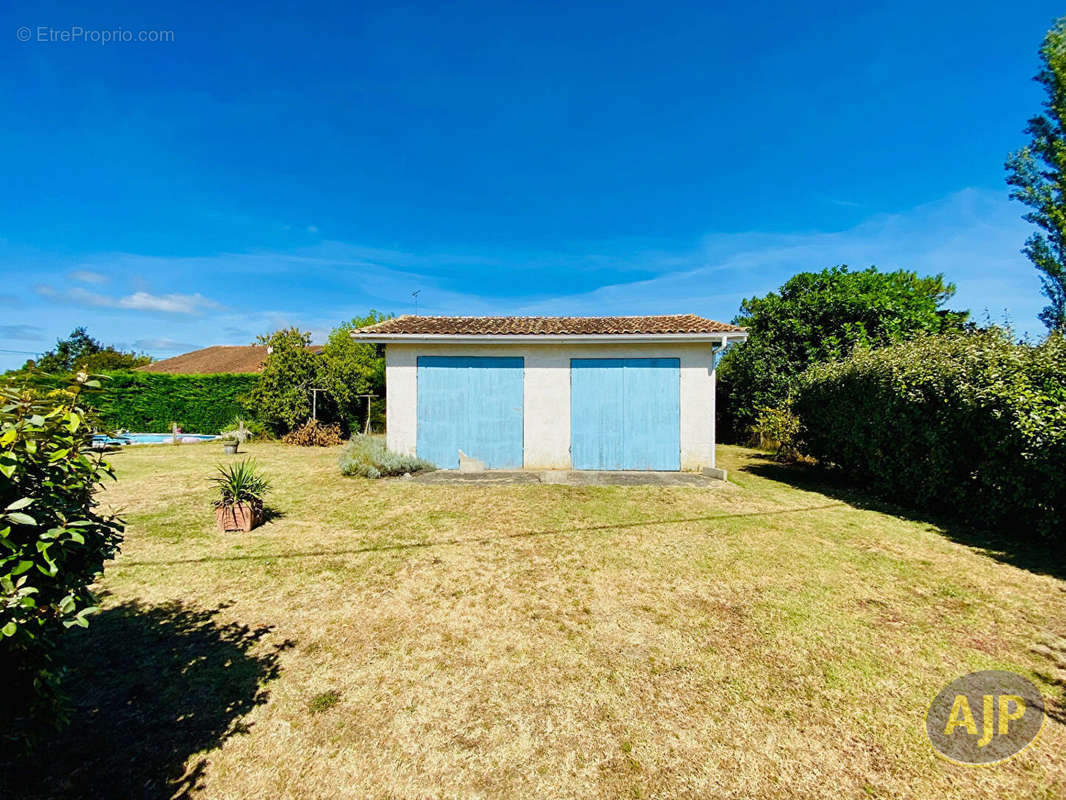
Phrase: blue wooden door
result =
(625, 413)
(471, 404)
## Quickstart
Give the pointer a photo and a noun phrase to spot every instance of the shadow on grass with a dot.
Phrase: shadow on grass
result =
(150, 686)
(1018, 548)
(272, 514)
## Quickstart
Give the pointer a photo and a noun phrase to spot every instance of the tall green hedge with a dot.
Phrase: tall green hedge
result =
(971, 424)
(149, 402)
(145, 401)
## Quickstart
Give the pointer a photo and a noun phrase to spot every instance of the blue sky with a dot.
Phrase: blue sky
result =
(282, 164)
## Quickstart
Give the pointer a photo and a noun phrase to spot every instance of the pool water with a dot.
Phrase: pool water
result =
(150, 438)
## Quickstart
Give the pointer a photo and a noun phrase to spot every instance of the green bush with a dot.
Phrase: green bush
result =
(53, 544)
(367, 457)
(970, 424)
(816, 317)
(282, 394)
(150, 402)
(777, 429)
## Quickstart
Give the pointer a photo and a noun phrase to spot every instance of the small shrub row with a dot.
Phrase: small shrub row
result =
(971, 424)
(367, 457)
(314, 434)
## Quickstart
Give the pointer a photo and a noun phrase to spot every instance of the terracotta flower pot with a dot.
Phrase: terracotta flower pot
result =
(239, 517)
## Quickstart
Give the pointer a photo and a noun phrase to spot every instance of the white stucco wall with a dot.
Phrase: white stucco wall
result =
(546, 415)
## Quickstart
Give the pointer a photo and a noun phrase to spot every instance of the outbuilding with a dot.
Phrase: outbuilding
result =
(586, 393)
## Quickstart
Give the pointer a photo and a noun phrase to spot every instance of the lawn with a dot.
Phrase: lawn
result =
(777, 636)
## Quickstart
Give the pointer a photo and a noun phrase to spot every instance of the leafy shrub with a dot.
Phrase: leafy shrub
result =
(282, 394)
(240, 483)
(53, 544)
(150, 402)
(817, 317)
(367, 457)
(972, 424)
(778, 429)
(314, 434)
(347, 369)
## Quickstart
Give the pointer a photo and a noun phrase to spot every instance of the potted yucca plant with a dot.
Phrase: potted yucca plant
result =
(241, 487)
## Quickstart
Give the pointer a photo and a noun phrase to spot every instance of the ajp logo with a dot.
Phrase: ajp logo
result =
(985, 717)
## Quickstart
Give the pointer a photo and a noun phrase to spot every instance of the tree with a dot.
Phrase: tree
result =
(820, 316)
(110, 359)
(282, 396)
(82, 351)
(1038, 174)
(67, 352)
(348, 368)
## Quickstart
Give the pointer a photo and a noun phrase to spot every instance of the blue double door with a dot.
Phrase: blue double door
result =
(625, 413)
(473, 404)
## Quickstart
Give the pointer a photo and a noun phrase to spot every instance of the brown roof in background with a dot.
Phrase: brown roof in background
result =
(219, 359)
(671, 323)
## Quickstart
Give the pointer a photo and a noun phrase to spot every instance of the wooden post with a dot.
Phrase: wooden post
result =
(366, 426)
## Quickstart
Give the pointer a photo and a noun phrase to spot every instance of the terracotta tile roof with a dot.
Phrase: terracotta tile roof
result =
(671, 323)
(216, 360)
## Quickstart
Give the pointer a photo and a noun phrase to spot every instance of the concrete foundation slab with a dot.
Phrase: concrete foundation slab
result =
(568, 478)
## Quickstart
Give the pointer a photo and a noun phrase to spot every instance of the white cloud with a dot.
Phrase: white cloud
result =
(169, 303)
(138, 301)
(87, 276)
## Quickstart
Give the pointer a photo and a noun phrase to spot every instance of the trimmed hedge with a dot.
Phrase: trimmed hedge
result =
(150, 402)
(145, 401)
(969, 424)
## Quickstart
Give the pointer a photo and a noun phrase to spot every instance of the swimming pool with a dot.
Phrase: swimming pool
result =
(151, 438)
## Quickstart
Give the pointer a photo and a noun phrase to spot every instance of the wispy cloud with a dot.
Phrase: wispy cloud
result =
(28, 333)
(169, 303)
(87, 276)
(76, 296)
(972, 236)
(138, 301)
(164, 345)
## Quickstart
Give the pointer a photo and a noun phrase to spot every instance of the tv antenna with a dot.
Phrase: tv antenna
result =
(415, 294)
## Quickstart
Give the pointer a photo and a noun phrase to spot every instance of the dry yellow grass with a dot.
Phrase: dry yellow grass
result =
(386, 639)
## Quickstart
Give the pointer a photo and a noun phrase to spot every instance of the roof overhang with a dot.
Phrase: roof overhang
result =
(721, 338)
